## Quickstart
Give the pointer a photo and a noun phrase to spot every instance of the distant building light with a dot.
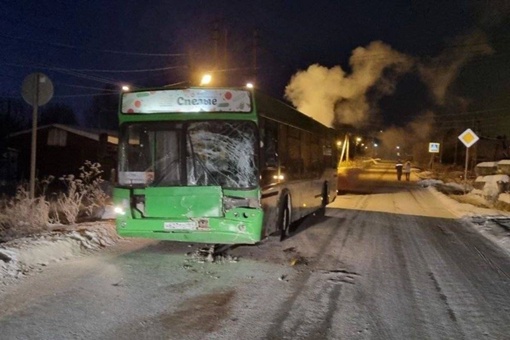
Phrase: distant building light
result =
(125, 88)
(249, 85)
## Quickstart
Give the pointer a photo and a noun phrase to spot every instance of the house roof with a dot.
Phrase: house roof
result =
(84, 132)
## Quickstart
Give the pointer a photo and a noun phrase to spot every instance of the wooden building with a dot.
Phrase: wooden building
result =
(62, 150)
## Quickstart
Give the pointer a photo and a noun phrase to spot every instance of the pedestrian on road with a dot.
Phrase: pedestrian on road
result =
(399, 167)
(407, 170)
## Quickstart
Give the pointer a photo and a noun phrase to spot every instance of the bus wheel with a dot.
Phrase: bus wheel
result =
(284, 219)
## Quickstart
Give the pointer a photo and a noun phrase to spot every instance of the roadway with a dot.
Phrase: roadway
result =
(388, 260)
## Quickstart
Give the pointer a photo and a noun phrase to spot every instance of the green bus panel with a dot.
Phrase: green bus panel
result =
(236, 226)
(182, 202)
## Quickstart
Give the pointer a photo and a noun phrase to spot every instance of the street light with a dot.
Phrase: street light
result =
(125, 88)
(249, 85)
(206, 79)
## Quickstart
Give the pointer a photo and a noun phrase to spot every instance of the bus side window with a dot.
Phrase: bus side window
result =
(269, 152)
(270, 146)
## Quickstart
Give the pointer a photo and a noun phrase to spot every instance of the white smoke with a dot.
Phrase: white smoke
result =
(412, 139)
(322, 92)
(332, 94)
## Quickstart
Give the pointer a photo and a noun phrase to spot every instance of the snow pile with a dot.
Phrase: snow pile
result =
(491, 223)
(492, 185)
(22, 256)
(504, 197)
(429, 182)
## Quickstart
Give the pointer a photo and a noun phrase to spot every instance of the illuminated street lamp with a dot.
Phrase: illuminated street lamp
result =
(206, 79)
(249, 85)
(125, 88)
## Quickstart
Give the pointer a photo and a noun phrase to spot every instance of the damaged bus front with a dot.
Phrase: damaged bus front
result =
(189, 180)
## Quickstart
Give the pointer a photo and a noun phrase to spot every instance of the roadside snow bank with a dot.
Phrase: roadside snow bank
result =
(491, 223)
(22, 256)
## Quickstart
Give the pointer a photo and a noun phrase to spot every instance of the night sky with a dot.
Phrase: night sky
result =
(369, 64)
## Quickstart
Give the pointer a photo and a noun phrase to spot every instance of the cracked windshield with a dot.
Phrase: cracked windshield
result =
(209, 153)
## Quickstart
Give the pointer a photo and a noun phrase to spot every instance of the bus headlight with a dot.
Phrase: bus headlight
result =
(122, 207)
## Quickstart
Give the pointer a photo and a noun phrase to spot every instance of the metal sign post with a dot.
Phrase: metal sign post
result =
(34, 136)
(37, 90)
(469, 138)
(433, 149)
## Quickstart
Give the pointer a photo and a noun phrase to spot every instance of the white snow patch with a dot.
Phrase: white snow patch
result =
(23, 256)
(504, 197)
(487, 164)
(429, 182)
(491, 188)
(484, 220)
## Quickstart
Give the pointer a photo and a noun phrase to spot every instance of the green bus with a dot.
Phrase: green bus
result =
(218, 165)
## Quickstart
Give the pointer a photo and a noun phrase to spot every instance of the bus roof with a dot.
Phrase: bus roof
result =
(277, 110)
(217, 99)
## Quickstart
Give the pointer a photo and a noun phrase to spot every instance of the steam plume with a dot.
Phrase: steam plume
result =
(322, 92)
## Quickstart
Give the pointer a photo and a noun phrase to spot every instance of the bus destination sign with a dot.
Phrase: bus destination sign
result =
(186, 100)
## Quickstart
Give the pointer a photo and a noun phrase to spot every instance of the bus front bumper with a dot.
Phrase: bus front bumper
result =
(214, 230)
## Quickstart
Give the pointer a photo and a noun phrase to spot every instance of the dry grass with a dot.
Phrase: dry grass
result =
(22, 216)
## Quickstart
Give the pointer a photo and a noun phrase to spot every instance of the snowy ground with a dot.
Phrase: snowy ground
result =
(491, 223)
(30, 255)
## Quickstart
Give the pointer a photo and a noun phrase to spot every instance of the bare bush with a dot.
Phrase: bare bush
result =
(69, 203)
(22, 215)
(95, 198)
(84, 195)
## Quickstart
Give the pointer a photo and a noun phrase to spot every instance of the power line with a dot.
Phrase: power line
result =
(118, 71)
(473, 112)
(85, 95)
(60, 45)
(85, 87)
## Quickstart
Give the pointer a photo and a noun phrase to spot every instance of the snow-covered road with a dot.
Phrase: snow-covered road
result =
(396, 261)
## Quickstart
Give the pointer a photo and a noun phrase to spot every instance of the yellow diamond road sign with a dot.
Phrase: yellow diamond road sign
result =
(468, 137)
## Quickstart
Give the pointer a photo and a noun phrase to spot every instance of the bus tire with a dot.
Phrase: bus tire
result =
(284, 218)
